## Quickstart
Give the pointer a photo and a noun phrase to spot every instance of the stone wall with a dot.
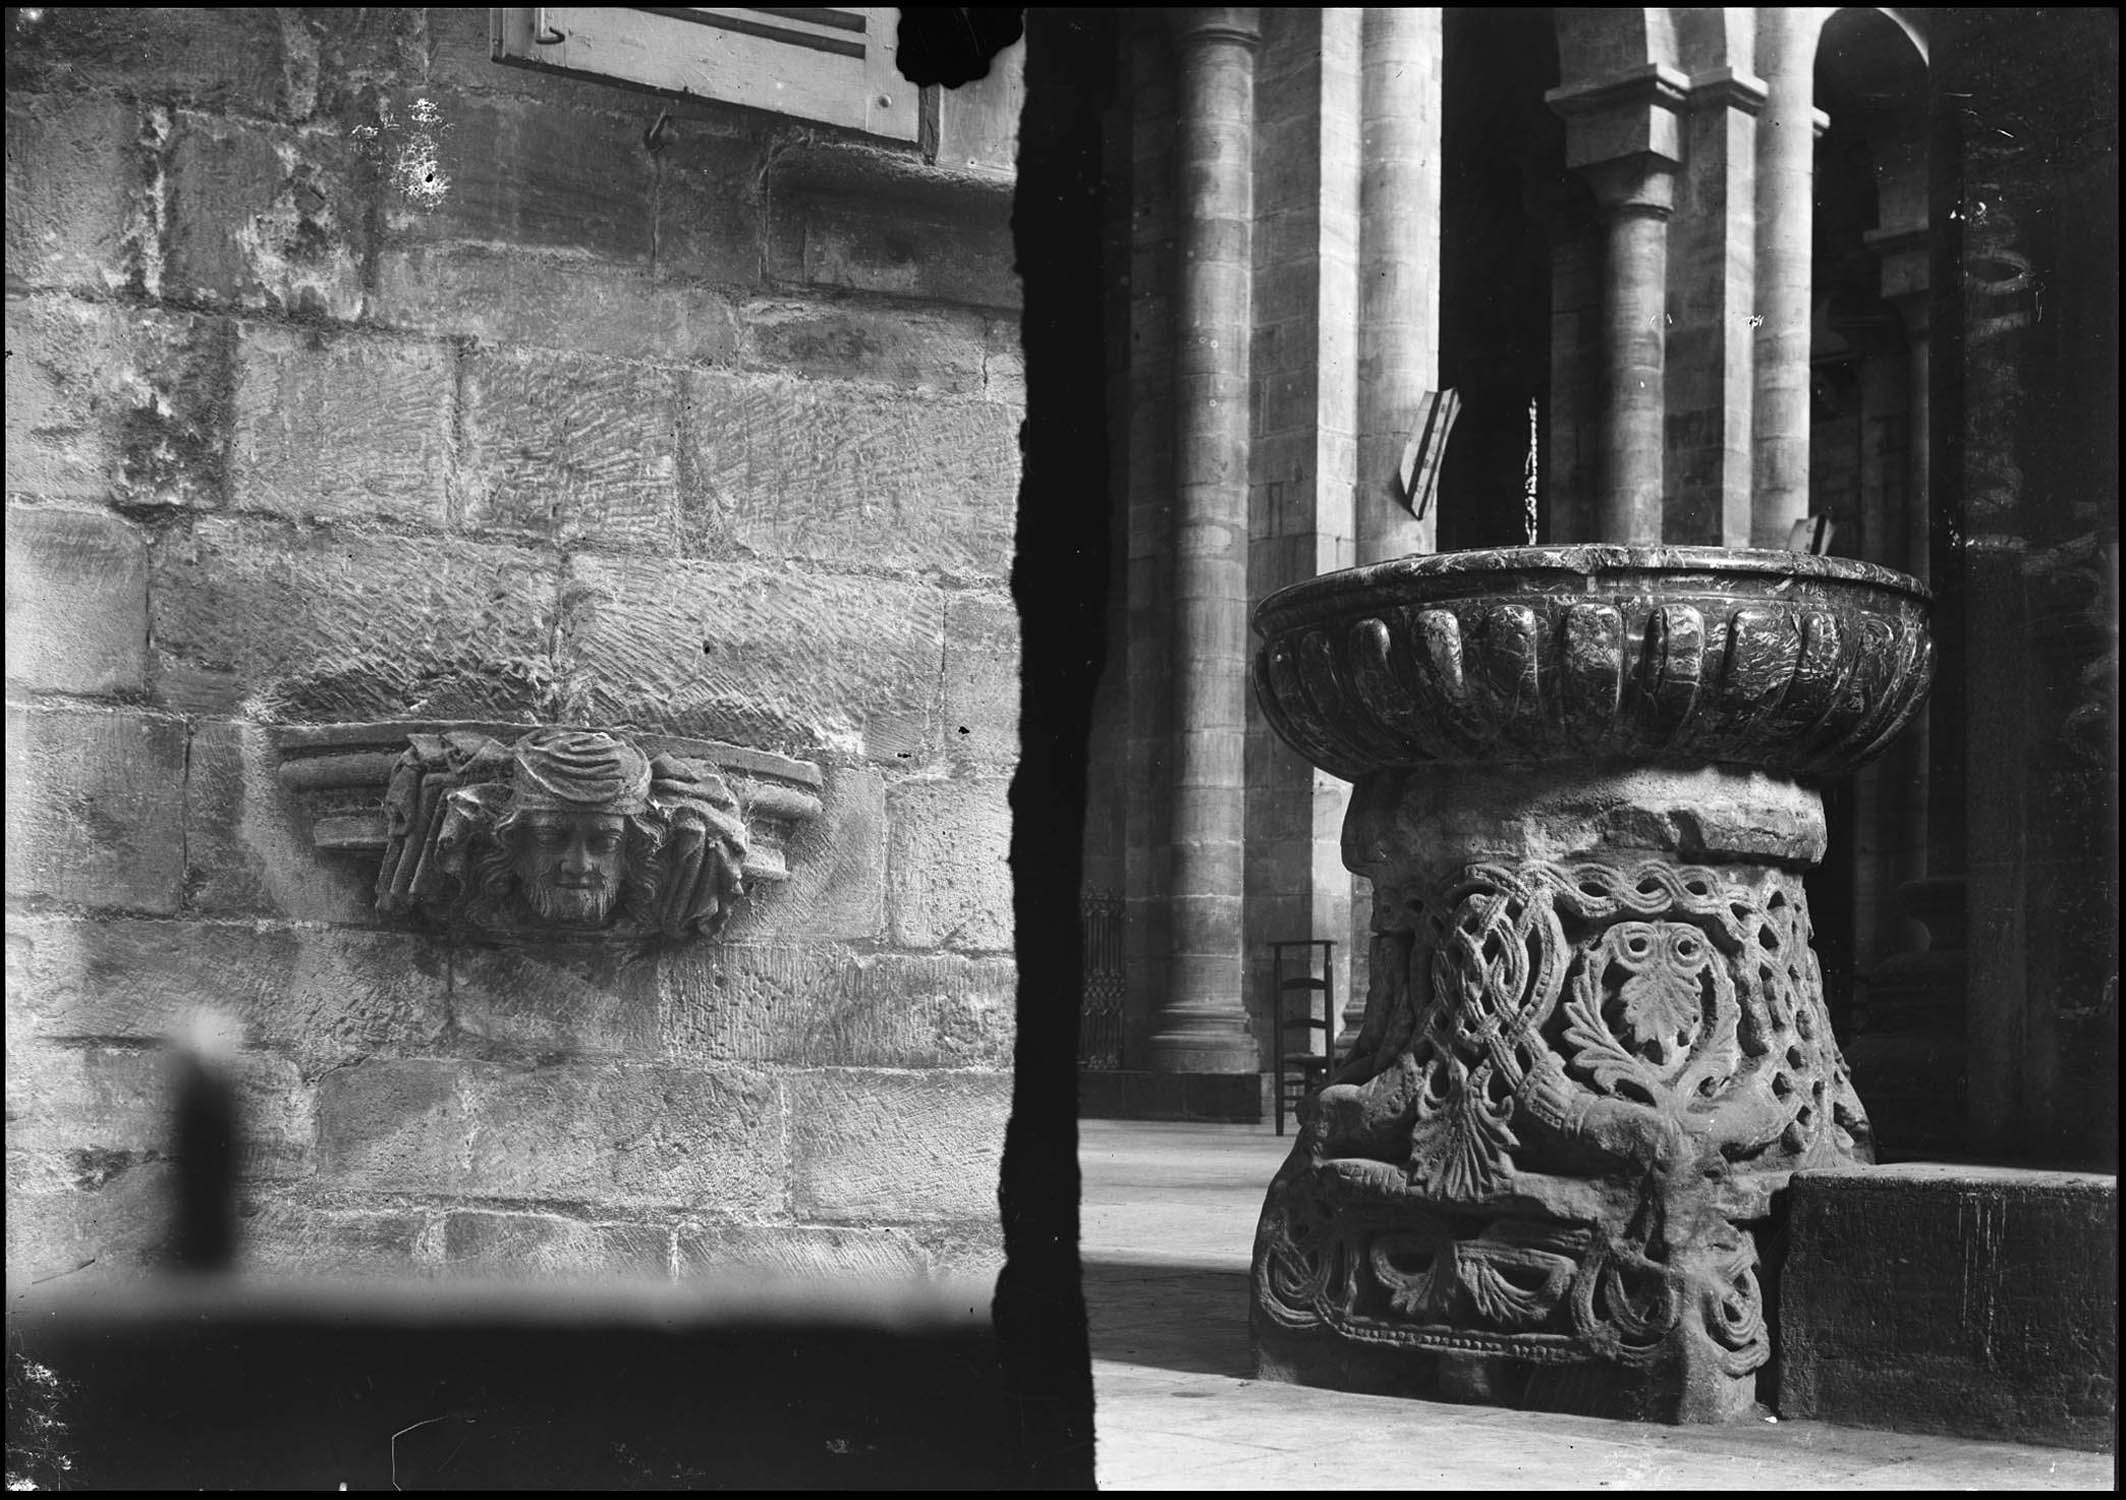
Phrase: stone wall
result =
(354, 376)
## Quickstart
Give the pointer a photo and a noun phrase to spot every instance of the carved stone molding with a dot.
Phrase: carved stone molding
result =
(1681, 655)
(545, 833)
(1595, 1044)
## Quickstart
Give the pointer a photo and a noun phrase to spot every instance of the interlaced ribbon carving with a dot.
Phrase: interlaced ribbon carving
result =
(1538, 1021)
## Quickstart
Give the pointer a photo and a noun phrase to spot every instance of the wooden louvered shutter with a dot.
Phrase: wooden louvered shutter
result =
(810, 62)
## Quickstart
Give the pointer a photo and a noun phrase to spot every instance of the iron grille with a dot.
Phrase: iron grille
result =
(1100, 1009)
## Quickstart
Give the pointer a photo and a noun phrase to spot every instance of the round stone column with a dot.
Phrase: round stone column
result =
(1636, 196)
(1398, 265)
(1623, 134)
(1786, 216)
(1202, 1024)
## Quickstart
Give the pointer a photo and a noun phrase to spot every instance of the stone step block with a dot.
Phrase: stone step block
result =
(1976, 1301)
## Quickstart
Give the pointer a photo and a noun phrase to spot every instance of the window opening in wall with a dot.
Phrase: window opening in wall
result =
(833, 66)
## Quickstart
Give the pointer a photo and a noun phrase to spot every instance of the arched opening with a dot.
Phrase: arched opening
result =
(1504, 191)
(1868, 478)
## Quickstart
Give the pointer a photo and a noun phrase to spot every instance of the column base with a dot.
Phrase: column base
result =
(1191, 1053)
(1136, 1094)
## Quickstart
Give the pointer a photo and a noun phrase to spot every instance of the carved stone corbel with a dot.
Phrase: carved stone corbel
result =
(545, 833)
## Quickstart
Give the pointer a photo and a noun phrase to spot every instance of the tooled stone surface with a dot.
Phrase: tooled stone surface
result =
(1576, 1083)
(562, 833)
(1681, 655)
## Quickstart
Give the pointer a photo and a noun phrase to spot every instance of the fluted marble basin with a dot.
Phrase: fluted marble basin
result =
(1595, 1046)
(1684, 655)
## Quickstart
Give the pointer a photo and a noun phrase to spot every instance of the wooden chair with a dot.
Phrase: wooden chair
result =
(1303, 1006)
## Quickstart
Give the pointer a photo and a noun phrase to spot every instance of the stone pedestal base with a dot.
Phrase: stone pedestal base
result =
(1976, 1301)
(1594, 1046)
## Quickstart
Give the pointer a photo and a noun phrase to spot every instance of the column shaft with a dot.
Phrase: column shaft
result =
(1623, 134)
(1201, 1025)
(1634, 343)
(1398, 319)
(1712, 291)
(1786, 187)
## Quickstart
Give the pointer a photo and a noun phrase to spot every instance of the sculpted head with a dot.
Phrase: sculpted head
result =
(574, 826)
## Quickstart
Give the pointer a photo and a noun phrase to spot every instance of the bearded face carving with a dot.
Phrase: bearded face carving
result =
(573, 832)
(569, 865)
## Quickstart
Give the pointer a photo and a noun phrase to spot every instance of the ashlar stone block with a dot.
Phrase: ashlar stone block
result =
(77, 602)
(112, 403)
(96, 807)
(871, 1147)
(318, 996)
(821, 1005)
(350, 427)
(585, 307)
(773, 657)
(852, 475)
(949, 880)
(577, 449)
(346, 625)
(76, 181)
(263, 216)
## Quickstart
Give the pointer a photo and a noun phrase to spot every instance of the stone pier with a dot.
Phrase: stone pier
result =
(1398, 309)
(1786, 212)
(1202, 1025)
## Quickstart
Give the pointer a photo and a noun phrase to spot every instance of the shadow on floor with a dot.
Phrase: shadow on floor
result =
(1171, 1317)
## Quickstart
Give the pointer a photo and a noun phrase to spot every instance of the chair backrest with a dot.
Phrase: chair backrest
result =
(1295, 1012)
(1305, 999)
(1299, 1012)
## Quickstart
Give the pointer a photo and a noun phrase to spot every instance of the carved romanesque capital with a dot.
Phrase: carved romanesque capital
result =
(551, 833)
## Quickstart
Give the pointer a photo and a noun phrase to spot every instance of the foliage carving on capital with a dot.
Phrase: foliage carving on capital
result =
(562, 833)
